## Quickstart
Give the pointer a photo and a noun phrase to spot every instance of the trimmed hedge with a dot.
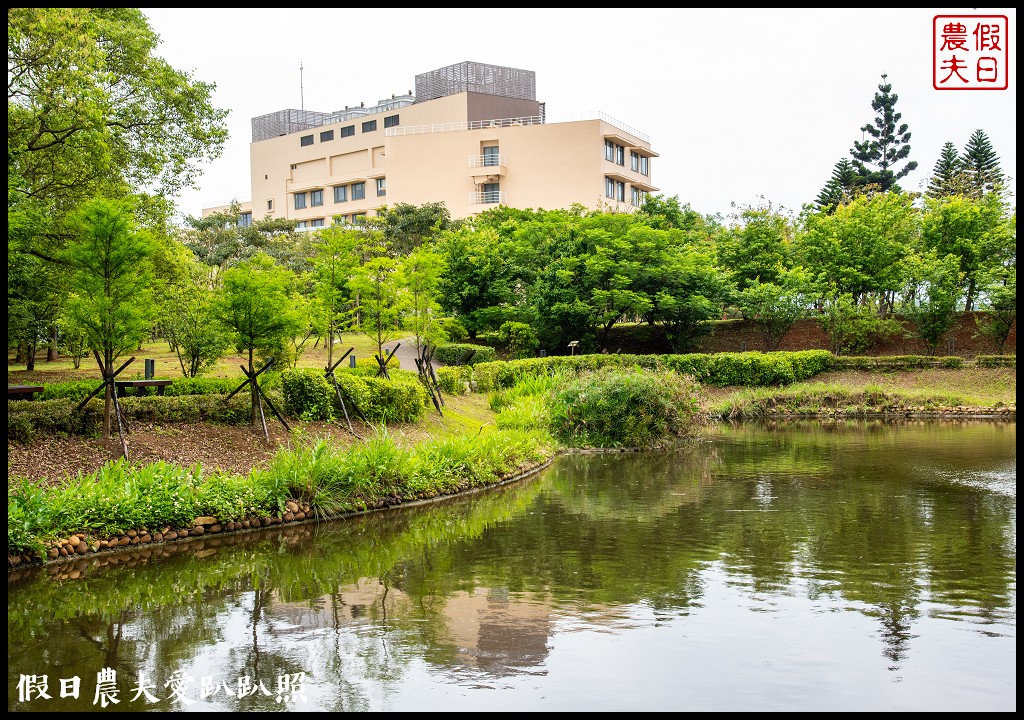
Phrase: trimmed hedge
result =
(449, 354)
(753, 369)
(57, 417)
(896, 362)
(996, 361)
(309, 395)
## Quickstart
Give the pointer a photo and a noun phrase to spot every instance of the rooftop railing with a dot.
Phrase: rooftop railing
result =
(514, 122)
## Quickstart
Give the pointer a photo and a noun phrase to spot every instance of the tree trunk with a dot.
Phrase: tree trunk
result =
(51, 351)
(30, 360)
(107, 402)
(254, 417)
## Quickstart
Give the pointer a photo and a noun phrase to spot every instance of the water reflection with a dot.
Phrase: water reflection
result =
(851, 565)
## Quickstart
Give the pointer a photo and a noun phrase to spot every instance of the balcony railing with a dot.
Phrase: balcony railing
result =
(490, 197)
(477, 161)
(514, 122)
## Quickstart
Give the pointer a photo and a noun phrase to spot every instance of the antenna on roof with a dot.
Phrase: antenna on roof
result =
(302, 102)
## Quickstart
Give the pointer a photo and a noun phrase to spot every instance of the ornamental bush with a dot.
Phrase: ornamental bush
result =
(621, 407)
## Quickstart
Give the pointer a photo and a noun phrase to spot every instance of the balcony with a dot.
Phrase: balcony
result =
(490, 197)
(487, 168)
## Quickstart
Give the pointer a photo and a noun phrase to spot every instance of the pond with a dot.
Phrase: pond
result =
(851, 565)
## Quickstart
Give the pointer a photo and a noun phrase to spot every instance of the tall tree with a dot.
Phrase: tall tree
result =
(981, 164)
(888, 143)
(257, 306)
(840, 188)
(112, 282)
(948, 176)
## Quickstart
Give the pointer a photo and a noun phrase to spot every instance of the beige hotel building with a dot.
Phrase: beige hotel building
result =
(472, 136)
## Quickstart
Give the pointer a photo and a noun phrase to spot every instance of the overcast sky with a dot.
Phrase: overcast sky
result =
(743, 106)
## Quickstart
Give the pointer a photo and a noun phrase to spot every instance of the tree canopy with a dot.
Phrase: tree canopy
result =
(886, 144)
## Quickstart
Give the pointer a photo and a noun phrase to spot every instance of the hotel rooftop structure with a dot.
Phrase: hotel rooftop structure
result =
(472, 136)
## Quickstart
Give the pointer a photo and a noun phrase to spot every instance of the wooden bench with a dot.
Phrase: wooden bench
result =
(23, 392)
(140, 386)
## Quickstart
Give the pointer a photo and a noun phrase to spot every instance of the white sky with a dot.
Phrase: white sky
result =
(743, 105)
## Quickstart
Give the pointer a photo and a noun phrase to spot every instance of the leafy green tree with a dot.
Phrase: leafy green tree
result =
(859, 248)
(981, 164)
(419, 274)
(406, 227)
(886, 145)
(112, 282)
(191, 326)
(32, 306)
(89, 103)
(376, 284)
(974, 230)
(999, 307)
(478, 286)
(757, 247)
(931, 296)
(334, 259)
(840, 188)
(520, 339)
(774, 308)
(948, 175)
(257, 306)
(220, 242)
(691, 293)
(851, 327)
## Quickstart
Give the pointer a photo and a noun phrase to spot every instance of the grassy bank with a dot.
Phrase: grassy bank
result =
(479, 441)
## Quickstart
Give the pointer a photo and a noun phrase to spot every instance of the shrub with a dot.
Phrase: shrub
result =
(519, 338)
(449, 354)
(308, 394)
(454, 329)
(623, 408)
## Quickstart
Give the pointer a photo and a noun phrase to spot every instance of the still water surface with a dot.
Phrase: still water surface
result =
(800, 566)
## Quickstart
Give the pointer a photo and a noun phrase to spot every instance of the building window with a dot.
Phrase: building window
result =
(491, 156)
(492, 193)
(358, 190)
(300, 201)
(638, 197)
(634, 161)
(340, 193)
(301, 225)
(326, 135)
(620, 155)
(369, 126)
(620, 192)
(358, 218)
(644, 170)
(318, 222)
(316, 197)
(391, 121)
(348, 131)
(245, 219)
(305, 140)
(270, 205)
(381, 187)
(609, 188)
(609, 151)
(341, 219)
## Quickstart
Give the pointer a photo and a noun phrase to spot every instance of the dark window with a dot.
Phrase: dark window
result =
(620, 155)
(491, 156)
(245, 219)
(319, 222)
(316, 198)
(326, 135)
(369, 126)
(609, 188)
(348, 131)
(609, 151)
(340, 193)
(300, 201)
(270, 204)
(358, 190)
(620, 191)
(643, 165)
(305, 140)
(492, 193)
(390, 121)
(358, 218)
(634, 162)
(381, 187)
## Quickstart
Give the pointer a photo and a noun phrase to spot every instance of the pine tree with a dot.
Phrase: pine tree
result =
(981, 164)
(948, 176)
(875, 157)
(840, 188)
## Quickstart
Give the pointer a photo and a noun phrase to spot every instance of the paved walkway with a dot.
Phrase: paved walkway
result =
(406, 355)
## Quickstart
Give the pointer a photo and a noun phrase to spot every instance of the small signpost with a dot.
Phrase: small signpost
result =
(572, 346)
